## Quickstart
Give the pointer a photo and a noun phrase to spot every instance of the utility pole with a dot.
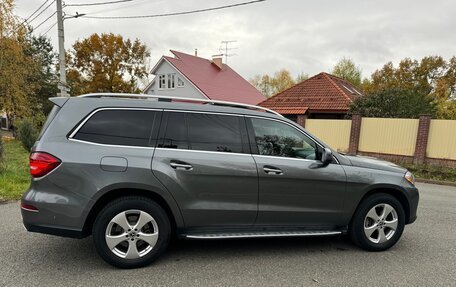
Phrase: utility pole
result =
(62, 83)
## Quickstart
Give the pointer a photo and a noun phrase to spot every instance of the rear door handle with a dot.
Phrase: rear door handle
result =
(180, 165)
(272, 170)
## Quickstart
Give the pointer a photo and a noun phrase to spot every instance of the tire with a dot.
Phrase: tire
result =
(127, 247)
(370, 229)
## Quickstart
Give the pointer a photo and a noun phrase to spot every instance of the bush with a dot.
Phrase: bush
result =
(27, 133)
(1, 148)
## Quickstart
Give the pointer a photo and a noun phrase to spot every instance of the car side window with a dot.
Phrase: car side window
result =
(211, 132)
(205, 132)
(119, 127)
(274, 138)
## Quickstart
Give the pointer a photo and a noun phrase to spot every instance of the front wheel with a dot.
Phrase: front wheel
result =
(378, 222)
(131, 232)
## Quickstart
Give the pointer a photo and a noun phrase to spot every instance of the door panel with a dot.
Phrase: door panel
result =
(204, 161)
(294, 187)
(301, 194)
(211, 188)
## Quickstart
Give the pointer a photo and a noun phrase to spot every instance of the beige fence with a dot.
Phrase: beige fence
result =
(335, 133)
(390, 136)
(442, 139)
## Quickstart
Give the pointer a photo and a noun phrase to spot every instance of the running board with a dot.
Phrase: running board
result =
(259, 234)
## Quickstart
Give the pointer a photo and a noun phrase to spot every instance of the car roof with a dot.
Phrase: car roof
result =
(171, 103)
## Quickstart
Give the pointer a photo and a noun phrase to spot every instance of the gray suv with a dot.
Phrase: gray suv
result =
(135, 171)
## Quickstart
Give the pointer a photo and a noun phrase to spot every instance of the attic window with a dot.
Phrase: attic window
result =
(171, 82)
(162, 81)
(180, 82)
(348, 89)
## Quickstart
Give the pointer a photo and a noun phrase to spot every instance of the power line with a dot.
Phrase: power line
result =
(47, 7)
(49, 29)
(26, 19)
(176, 13)
(98, 3)
(45, 20)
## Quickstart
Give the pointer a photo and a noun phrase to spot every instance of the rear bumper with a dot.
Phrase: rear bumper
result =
(58, 231)
(55, 214)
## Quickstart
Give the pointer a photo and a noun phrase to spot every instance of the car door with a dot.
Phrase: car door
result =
(294, 187)
(204, 161)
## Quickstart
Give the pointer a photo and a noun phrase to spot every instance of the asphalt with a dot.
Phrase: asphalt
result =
(425, 256)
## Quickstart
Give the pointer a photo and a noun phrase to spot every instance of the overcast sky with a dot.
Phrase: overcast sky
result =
(301, 36)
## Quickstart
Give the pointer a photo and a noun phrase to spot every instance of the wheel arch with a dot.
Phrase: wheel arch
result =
(393, 191)
(175, 217)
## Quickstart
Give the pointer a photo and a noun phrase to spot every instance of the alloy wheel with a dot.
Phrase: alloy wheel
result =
(131, 234)
(380, 223)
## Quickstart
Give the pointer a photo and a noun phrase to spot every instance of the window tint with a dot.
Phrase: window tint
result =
(278, 139)
(119, 127)
(214, 132)
(176, 132)
(208, 132)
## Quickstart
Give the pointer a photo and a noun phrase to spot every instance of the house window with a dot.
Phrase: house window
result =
(171, 83)
(180, 82)
(162, 81)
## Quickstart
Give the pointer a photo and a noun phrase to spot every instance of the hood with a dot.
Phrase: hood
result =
(371, 162)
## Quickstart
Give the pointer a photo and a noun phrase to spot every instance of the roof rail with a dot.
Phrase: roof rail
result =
(208, 101)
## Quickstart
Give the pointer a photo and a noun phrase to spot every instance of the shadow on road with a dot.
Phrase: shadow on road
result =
(81, 254)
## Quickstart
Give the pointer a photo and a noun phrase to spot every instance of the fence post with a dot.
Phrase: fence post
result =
(422, 139)
(354, 134)
(301, 120)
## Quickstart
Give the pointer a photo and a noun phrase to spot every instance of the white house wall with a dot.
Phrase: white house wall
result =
(188, 90)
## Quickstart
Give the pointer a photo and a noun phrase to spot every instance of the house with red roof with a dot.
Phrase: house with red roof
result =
(322, 96)
(190, 76)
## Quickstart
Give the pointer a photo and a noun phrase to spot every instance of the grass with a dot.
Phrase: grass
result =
(14, 171)
(438, 173)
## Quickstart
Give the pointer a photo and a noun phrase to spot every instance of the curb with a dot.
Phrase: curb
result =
(439, 182)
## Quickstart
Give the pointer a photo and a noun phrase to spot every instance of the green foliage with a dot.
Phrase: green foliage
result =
(440, 173)
(347, 70)
(106, 63)
(393, 104)
(15, 175)
(1, 150)
(27, 133)
(431, 76)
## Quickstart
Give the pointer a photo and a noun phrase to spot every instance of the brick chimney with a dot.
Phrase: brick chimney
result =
(217, 60)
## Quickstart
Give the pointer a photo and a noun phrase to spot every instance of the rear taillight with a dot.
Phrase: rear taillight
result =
(42, 163)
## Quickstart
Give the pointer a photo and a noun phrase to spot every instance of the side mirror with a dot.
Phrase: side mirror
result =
(327, 156)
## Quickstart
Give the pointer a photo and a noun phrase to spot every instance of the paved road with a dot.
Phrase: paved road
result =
(425, 256)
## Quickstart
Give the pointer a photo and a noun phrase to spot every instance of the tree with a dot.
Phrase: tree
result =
(431, 76)
(16, 66)
(106, 63)
(271, 85)
(301, 78)
(347, 70)
(393, 104)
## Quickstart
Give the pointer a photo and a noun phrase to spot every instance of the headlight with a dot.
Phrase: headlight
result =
(409, 177)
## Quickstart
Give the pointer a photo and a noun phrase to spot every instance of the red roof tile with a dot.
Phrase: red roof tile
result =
(217, 84)
(320, 93)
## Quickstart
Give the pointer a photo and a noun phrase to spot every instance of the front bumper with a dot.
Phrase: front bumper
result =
(413, 197)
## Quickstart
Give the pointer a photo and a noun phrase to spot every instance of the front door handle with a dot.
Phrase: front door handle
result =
(272, 170)
(180, 165)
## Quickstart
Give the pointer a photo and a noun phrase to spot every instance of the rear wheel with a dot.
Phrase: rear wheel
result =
(131, 232)
(378, 222)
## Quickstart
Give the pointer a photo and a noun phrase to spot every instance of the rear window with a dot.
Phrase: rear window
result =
(206, 132)
(119, 127)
